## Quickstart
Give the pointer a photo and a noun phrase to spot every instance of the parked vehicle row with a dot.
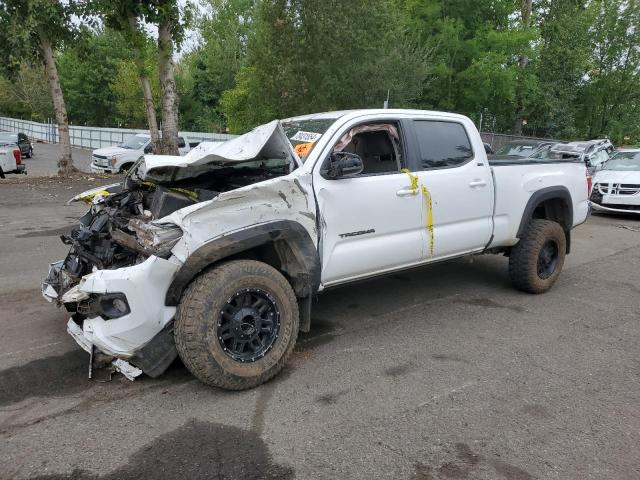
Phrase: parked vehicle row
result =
(616, 174)
(10, 157)
(13, 148)
(21, 140)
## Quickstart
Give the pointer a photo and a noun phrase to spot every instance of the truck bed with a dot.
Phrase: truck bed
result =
(502, 160)
(516, 181)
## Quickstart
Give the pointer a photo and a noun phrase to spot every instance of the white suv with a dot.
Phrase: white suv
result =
(120, 158)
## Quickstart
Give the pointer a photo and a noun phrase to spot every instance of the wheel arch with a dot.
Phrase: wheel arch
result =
(551, 203)
(126, 166)
(285, 245)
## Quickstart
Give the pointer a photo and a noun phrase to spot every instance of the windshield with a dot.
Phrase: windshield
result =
(519, 149)
(545, 153)
(303, 134)
(625, 161)
(6, 137)
(135, 142)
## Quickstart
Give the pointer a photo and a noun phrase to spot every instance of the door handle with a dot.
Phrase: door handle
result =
(478, 183)
(406, 192)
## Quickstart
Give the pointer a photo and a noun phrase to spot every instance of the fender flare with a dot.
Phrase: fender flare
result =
(549, 193)
(294, 246)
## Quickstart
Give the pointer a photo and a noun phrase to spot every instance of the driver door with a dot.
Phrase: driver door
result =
(372, 222)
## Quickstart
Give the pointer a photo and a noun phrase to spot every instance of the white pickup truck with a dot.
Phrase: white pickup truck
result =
(10, 159)
(216, 256)
(120, 158)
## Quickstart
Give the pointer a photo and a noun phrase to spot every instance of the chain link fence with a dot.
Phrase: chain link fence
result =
(496, 140)
(95, 137)
(91, 137)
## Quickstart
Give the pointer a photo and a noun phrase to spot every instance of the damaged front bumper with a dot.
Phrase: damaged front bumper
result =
(141, 334)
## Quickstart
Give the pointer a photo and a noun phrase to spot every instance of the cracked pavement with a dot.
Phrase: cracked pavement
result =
(437, 373)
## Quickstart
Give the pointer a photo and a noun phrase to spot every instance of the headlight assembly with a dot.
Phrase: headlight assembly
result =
(156, 238)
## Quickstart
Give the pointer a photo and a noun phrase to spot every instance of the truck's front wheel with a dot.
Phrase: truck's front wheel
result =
(536, 261)
(237, 324)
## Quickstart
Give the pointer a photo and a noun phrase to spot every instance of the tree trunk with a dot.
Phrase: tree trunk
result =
(65, 162)
(147, 94)
(168, 89)
(526, 9)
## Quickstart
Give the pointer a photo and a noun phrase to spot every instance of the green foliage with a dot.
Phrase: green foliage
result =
(125, 87)
(25, 23)
(87, 71)
(27, 94)
(208, 71)
(305, 56)
(572, 72)
(609, 100)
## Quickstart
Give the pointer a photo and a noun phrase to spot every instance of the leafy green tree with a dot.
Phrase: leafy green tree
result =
(211, 69)
(306, 56)
(130, 106)
(124, 16)
(88, 68)
(172, 21)
(33, 29)
(609, 101)
(27, 93)
(563, 61)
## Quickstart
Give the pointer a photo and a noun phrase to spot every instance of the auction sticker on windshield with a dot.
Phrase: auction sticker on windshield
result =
(306, 136)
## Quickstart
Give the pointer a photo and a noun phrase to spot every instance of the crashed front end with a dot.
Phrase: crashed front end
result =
(114, 278)
(120, 264)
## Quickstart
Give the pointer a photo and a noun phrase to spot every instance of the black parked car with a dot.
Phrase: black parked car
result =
(20, 139)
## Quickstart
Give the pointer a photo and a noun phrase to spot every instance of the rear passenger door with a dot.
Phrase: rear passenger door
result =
(456, 175)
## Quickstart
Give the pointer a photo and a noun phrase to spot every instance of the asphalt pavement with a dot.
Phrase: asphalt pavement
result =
(45, 159)
(443, 372)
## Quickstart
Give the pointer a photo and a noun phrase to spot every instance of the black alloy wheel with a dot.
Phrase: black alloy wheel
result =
(548, 259)
(248, 325)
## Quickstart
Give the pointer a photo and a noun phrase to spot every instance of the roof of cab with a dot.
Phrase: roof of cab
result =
(370, 111)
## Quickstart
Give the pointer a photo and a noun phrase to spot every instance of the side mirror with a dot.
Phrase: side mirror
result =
(343, 164)
(148, 149)
(487, 149)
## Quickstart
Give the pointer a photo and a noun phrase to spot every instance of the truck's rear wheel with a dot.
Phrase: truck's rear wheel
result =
(237, 324)
(536, 261)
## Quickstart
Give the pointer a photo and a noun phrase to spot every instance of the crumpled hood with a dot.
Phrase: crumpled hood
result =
(617, 176)
(110, 151)
(267, 140)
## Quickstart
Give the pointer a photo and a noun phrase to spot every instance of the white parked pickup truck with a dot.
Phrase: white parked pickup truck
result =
(120, 158)
(216, 256)
(10, 159)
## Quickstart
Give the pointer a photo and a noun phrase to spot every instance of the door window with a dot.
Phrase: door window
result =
(442, 144)
(377, 144)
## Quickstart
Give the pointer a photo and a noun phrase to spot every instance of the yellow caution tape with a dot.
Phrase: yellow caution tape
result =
(189, 193)
(413, 177)
(428, 204)
(88, 198)
(426, 194)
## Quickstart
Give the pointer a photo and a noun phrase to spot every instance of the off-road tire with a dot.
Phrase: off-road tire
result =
(523, 260)
(198, 313)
